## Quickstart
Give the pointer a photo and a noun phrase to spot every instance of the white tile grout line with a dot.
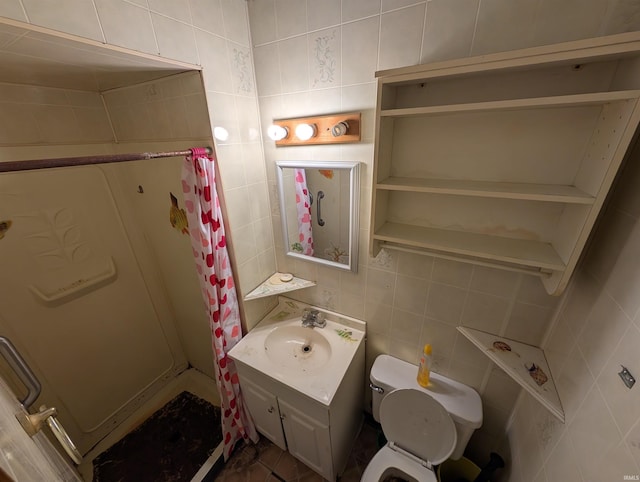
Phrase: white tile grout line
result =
(208, 464)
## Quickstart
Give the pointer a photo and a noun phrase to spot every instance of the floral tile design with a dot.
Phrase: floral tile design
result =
(241, 62)
(324, 60)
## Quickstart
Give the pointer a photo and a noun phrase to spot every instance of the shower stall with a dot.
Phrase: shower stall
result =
(98, 289)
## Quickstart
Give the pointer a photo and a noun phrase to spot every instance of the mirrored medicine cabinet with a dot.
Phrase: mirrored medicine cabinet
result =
(319, 204)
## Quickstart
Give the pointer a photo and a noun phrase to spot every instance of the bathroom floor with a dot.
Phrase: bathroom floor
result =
(191, 381)
(265, 462)
(179, 437)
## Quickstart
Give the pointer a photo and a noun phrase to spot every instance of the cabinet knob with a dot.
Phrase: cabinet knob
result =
(270, 410)
(282, 416)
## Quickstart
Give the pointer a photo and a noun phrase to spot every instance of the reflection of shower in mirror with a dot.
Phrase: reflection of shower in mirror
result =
(319, 207)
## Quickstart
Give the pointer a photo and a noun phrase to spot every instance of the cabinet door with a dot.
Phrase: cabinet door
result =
(263, 407)
(308, 440)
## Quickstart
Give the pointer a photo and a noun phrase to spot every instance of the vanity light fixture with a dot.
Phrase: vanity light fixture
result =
(326, 129)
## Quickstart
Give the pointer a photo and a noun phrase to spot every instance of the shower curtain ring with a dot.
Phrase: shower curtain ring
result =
(198, 152)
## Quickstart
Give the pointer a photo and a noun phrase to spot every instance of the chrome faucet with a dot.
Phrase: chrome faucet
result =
(313, 318)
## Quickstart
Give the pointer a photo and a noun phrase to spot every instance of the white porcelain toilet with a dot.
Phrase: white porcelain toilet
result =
(423, 426)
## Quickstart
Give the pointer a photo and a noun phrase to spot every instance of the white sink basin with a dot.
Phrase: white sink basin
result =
(298, 348)
(310, 360)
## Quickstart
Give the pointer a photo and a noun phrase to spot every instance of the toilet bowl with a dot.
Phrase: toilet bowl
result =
(423, 426)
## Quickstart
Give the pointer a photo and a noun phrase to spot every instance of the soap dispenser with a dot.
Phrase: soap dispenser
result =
(424, 369)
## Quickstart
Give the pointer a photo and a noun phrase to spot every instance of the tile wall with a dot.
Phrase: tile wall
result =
(170, 108)
(320, 57)
(597, 331)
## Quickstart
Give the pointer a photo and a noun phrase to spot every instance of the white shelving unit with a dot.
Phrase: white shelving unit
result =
(504, 160)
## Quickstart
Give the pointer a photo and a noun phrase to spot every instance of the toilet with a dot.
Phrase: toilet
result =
(423, 426)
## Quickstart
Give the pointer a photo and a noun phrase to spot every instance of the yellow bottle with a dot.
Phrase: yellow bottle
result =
(424, 370)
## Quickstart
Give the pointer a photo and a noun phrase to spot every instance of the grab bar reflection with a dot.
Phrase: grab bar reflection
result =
(319, 208)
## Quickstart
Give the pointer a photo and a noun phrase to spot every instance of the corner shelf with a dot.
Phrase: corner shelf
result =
(275, 286)
(521, 362)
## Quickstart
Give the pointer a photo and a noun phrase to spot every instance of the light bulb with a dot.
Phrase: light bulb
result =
(304, 132)
(340, 129)
(220, 133)
(277, 133)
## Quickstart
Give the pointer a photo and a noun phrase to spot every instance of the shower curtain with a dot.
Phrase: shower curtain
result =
(206, 229)
(303, 208)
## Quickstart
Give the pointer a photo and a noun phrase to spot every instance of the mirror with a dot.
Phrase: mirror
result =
(319, 207)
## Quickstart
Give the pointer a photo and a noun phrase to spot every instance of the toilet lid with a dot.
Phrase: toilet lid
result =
(417, 423)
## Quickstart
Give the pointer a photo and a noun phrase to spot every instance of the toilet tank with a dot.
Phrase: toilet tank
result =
(461, 401)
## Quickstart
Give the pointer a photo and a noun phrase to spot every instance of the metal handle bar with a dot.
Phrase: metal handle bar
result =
(17, 363)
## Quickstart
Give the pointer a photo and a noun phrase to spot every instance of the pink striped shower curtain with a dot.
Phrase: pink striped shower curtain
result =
(206, 229)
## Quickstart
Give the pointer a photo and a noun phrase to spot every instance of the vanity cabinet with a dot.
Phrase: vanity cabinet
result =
(265, 411)
(504, 160)
(319, 435)
(303, 386)
(307, 438)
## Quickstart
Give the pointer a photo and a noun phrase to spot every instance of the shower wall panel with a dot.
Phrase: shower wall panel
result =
(73, 294)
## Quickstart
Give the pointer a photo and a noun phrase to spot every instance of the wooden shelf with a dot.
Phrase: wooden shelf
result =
(575, 100)
(534, 254)
(503, 190)
(521, 362)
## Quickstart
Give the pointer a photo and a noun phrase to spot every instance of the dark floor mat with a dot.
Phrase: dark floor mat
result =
(170, 446)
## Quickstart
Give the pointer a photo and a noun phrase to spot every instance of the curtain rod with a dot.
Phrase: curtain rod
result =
(10, 166)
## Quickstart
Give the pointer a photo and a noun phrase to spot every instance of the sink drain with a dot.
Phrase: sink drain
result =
(306, 349)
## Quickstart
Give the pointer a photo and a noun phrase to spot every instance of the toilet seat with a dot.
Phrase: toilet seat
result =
(386, 458)
(420, 434)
